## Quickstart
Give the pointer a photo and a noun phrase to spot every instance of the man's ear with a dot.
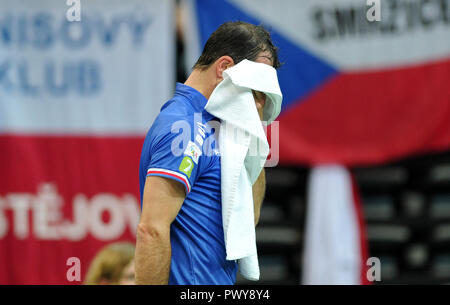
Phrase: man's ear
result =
(222, 64)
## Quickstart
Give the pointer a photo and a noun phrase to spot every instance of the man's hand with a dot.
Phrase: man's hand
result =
(162, 201)
(260, 101)
(259, 188)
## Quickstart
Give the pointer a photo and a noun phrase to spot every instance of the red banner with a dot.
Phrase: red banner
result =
(63, 197)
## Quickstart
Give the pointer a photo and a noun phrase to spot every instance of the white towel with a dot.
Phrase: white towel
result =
(244, 149)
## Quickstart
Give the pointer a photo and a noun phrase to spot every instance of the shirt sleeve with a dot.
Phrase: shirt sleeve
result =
(175, 157)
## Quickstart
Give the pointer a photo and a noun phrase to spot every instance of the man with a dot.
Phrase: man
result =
(180, 238)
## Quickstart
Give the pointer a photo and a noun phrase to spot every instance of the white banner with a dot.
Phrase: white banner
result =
(408, 31)
(332, 254)
(108, 73)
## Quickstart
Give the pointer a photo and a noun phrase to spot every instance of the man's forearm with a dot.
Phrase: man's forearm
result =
(152, 258)
(259, 189)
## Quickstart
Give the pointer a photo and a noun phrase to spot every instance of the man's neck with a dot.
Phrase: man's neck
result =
(202, 81)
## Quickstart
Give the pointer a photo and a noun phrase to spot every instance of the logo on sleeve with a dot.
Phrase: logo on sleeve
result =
(186, 166)
(193, 151)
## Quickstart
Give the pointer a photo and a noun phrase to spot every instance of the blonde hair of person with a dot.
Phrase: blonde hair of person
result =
(108, 265)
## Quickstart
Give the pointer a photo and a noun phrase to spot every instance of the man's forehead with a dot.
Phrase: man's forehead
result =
(265, 57)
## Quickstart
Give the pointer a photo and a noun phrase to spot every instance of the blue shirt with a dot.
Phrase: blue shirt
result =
(182, 145)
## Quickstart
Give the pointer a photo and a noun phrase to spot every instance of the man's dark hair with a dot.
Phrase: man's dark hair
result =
(239, 40)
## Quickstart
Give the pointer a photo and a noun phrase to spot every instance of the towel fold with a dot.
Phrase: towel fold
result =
(243, 149)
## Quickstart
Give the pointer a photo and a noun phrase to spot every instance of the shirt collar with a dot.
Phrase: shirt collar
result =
(197, 99)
